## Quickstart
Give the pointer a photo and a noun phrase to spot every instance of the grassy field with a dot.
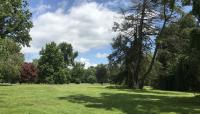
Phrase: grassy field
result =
(93, 99)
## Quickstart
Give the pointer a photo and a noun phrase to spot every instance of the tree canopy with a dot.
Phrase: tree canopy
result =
(15, 21)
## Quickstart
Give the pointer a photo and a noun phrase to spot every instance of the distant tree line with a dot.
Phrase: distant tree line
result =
(55, 66)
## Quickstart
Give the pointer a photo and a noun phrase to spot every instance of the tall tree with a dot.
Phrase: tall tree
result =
(50, 64)
(15, 24)
(135, 33)
(168, 9)
(15, 21)
(173, 53)
(101, 74)
(68, 53)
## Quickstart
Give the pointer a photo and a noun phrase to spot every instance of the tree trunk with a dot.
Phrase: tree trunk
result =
(157, 44)
(139, 46)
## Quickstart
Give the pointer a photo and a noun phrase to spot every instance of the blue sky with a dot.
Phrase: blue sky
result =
(86, 24)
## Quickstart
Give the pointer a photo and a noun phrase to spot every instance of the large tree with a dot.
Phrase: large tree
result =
(51, 64)
(15, 21)
(15, 24)
(172, 53)
(179, 56)
(134, 42)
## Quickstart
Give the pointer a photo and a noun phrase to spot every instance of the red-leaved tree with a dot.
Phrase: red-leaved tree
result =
(29, 73)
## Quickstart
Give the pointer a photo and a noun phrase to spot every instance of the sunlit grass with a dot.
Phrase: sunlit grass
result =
(93, 99)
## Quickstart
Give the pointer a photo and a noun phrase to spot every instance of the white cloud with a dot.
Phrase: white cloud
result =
(86, 62)
(86, 26)
(101, 55)
(30, 50)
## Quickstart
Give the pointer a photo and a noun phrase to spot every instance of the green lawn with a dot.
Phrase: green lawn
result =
(93, 99)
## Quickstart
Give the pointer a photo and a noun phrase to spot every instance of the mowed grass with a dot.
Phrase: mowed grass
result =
(93, 99)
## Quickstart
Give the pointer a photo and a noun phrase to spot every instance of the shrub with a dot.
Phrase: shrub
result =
(62, 76)
(29, 73)
(91, 79)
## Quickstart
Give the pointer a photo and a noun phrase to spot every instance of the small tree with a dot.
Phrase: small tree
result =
(10, 61)
(29, 73)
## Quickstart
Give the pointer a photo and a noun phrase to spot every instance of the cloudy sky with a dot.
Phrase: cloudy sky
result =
(86, 24)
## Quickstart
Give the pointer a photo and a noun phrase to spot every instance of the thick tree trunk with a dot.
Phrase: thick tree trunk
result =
(141, 84)
(130, 82)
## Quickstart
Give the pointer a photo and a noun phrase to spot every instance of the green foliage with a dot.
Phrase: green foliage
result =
(51, 64)
(15, 24)
(91, 79)
(89, 75)
(195, 39)
(179, 56)
(68, 53)
(10, 61)
(101, 74)
(116, 75)
(62, 76)
(133, 44)
(77, 73)
(15, 21)
(196, 8)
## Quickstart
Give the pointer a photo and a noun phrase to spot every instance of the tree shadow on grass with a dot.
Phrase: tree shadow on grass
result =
(138, 103)
(151, 91)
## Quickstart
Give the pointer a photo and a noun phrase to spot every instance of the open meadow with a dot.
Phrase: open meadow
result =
(93, 99)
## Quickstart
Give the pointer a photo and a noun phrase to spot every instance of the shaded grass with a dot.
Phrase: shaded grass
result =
(5, 84)
(93, 99)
